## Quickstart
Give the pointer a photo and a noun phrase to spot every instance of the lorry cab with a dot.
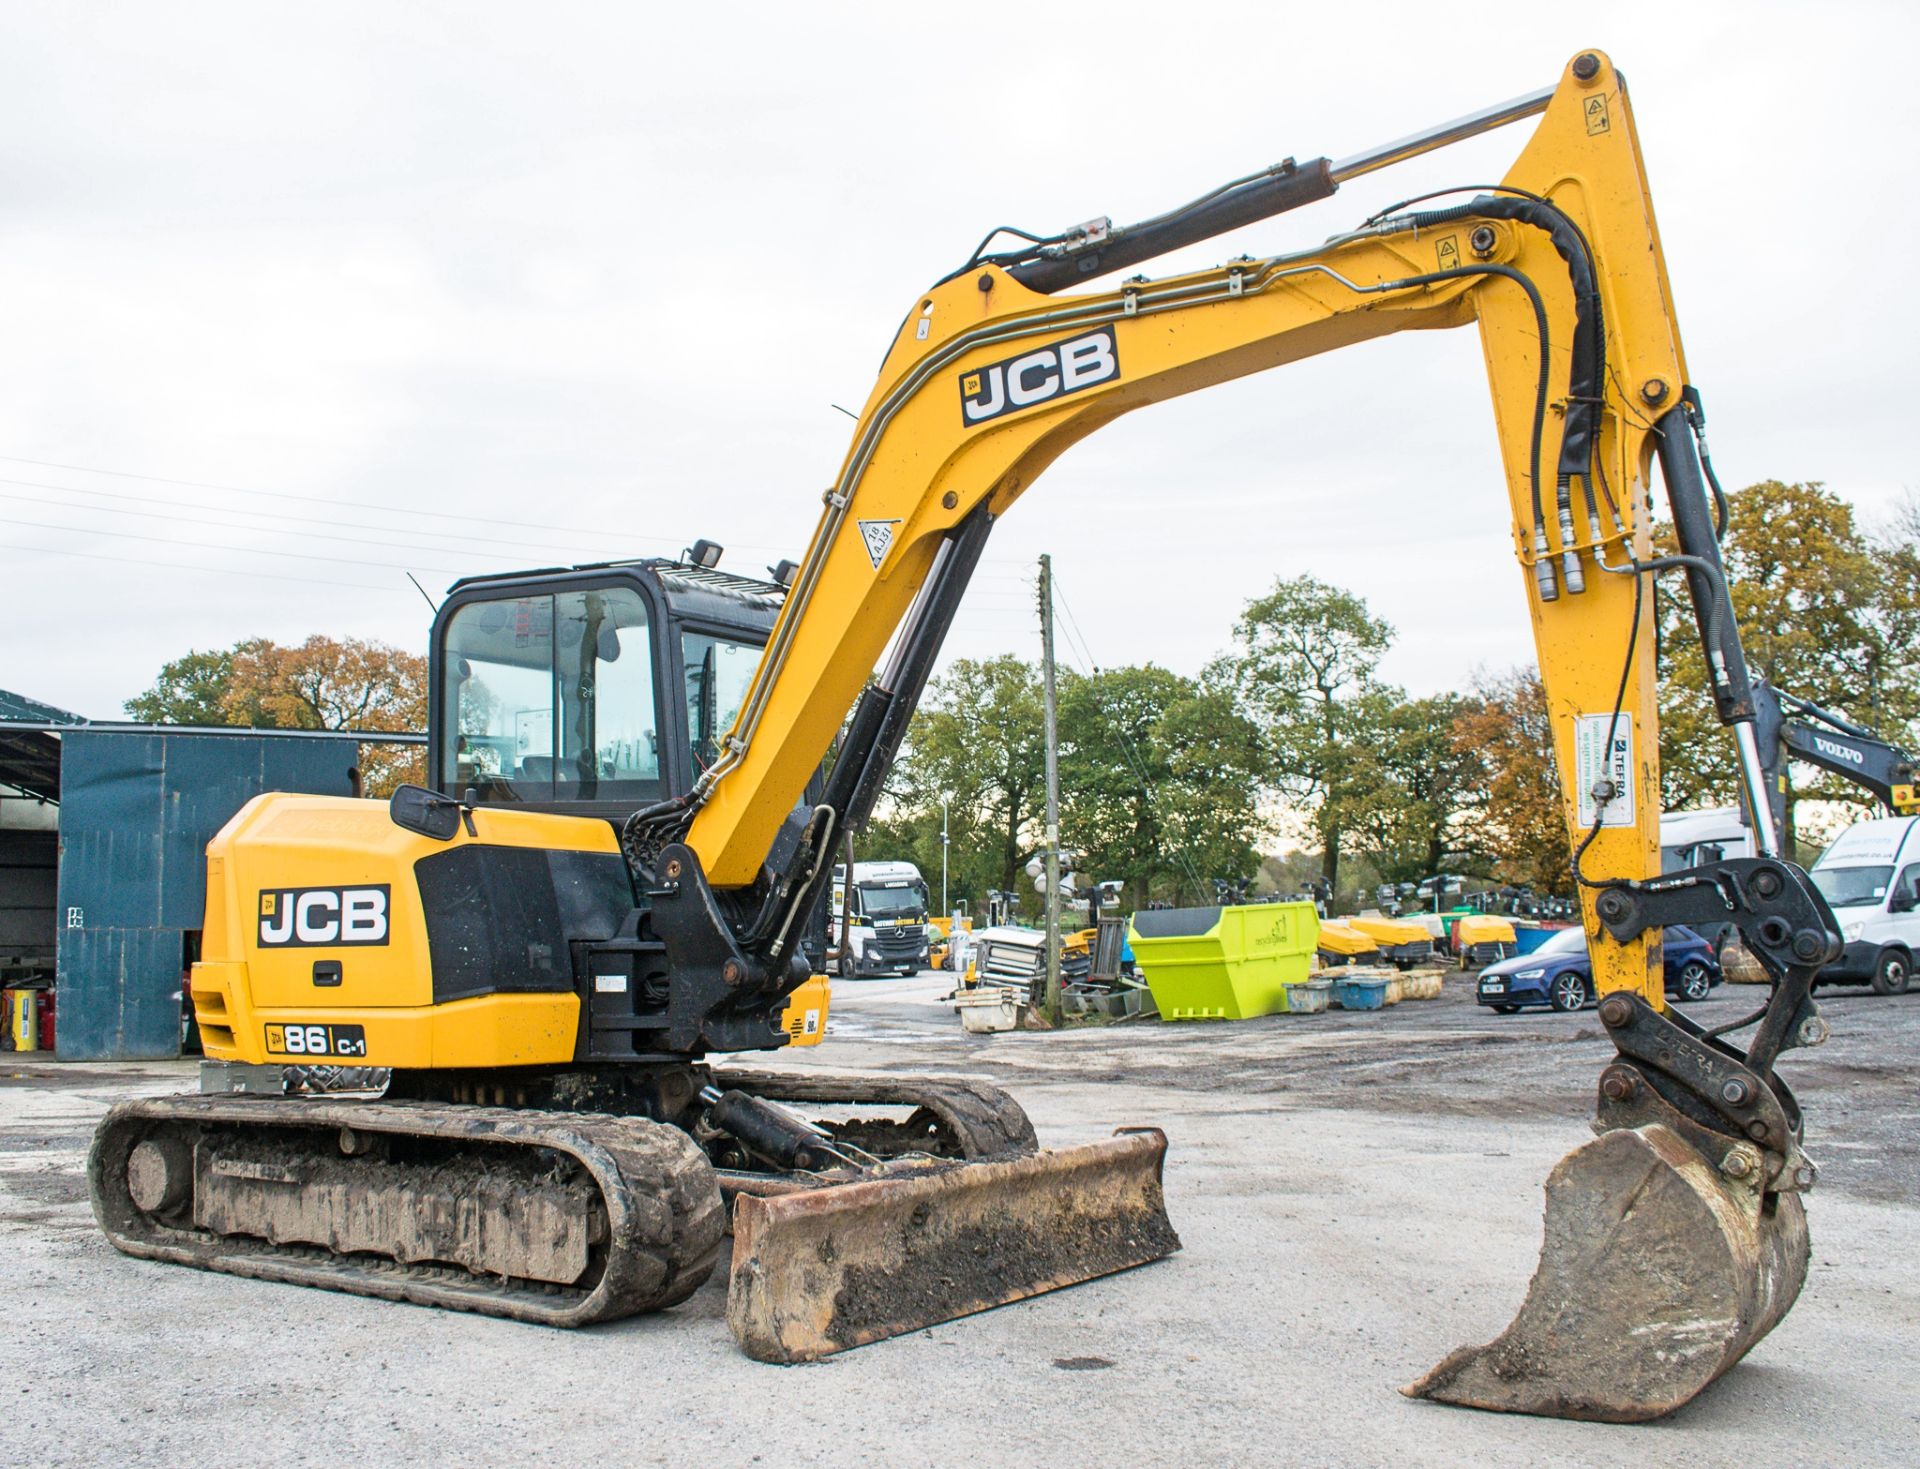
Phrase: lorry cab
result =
(886, 932)
(592, 690)
(1870, 877)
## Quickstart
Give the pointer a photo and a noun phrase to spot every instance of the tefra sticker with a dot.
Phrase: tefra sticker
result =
(1594, 759)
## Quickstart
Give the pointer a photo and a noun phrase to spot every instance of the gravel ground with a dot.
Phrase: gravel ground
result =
(1357, 1194)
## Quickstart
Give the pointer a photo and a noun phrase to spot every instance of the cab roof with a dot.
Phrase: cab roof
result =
(689, 591)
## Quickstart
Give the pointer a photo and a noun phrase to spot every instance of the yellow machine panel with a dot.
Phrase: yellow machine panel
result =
(805, 1018)
(317, 945)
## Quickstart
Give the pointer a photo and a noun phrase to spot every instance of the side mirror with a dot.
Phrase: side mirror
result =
(415, 808)
(1903, 902)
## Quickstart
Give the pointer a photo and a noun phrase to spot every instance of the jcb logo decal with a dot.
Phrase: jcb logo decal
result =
(305, 918)
(1039, 375)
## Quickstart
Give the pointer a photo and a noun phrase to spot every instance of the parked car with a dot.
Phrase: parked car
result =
(1559, 974)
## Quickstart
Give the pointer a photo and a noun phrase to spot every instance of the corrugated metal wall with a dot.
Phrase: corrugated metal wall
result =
(136, 813)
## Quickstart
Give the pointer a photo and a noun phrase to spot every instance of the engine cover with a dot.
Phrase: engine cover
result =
(332, 934)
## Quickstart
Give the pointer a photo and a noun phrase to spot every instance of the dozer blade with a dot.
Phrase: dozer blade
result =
(1657, 1274)
(819, 1271)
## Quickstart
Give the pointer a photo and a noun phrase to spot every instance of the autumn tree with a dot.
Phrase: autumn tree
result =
(1512, 817)
(1303, 656)
(1826, 611)
(323, 683)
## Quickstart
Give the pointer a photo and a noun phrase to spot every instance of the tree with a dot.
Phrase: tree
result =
(977, 742)
(1419, 778)
(323, 683)
(192, 689)
(328, 683)
(1898, 547)
(1514, 818)
(1303, 654)
(1159, 780)
(1825, 611)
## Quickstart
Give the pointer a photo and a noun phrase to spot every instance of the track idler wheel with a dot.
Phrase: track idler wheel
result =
(1659, 1272)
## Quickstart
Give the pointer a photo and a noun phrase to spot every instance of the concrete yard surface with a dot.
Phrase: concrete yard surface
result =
(1357, 1194)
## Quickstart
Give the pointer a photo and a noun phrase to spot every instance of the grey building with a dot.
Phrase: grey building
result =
(103, 834)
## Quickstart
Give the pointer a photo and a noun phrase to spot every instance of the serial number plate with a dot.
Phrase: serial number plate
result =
(317, 1040)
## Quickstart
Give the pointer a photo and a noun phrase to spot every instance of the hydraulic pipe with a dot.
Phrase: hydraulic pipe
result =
(1713, 615)
(1470, 126)
(1285, 186)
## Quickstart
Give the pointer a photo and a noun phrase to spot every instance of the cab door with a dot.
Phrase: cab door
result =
(547, 695)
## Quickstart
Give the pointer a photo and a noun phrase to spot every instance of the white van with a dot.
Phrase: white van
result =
(1694, 838)
(1870, 877)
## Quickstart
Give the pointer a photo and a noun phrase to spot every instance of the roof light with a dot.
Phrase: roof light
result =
(784, 572)
(704, 554)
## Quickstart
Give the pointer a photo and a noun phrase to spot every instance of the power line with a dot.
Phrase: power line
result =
(597, 532)
(1080, 636)
(201, 484)
(160, 565)
(129, 535)
(519, 542)
(1133, 756)
(224, 525)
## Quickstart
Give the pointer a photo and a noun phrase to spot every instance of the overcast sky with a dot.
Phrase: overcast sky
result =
(456, 288)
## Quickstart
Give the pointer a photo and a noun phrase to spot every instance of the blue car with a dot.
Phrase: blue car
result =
(1559, 974)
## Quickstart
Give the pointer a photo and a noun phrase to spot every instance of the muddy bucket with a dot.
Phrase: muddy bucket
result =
(821, 1270)
(1657, 1274)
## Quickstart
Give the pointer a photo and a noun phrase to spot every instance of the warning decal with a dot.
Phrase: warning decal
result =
(1594, 761)
(1596, 108)
(878, 535)
(1447, 250)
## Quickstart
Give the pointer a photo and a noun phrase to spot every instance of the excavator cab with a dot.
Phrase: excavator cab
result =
(592, 691)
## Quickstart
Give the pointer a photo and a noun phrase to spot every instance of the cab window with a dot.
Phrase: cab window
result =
(718, 671)
(1906, 890)
(551, 698)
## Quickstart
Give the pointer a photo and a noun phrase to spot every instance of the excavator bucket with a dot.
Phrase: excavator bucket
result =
(821, 1270)
(1659, 1271)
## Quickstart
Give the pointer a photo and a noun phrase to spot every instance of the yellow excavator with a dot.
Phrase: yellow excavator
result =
(623, 848)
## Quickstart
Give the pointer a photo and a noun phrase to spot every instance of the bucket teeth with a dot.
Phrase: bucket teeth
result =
(1656, 1275)
(820, 1271)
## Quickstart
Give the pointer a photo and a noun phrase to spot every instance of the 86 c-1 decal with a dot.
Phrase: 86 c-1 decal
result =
(317, 1040)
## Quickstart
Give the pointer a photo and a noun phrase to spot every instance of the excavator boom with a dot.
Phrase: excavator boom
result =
(993, 375)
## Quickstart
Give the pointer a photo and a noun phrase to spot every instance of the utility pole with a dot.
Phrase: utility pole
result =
(943, 857)
(1053, 792)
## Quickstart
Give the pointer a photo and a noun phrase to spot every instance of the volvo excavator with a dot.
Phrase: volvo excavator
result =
(610, 879)
(1791, 728)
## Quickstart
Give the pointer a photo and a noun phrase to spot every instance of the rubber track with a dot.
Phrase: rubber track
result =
(665, 1218)
(987, 1121)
